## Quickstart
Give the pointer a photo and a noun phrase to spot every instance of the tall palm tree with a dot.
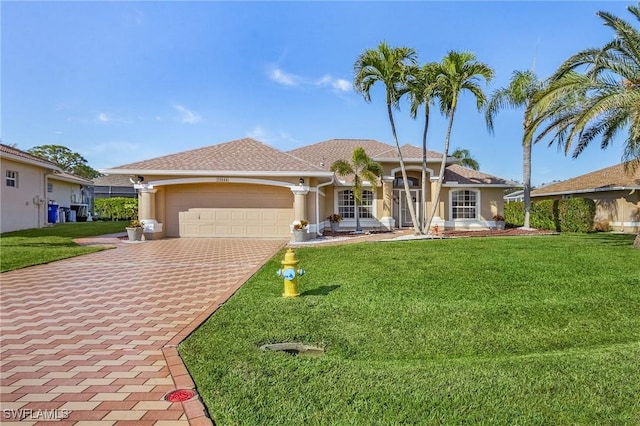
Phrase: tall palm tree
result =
(423, 91)
(458, 72)
(363, 169)
(389, 66)
(601, 101)
(464, 155)
(523, 86)
(609, 89)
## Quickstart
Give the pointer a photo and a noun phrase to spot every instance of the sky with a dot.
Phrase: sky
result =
(121, 81)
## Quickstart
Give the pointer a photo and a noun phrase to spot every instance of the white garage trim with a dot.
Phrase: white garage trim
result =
(267, 182)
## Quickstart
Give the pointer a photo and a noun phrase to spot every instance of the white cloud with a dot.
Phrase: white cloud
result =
(187, 116)
(341, 85)
(103, 117)
(270, 138)
(287, 79)
(279, 76)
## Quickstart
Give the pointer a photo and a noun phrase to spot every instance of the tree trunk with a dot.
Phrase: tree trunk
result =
(526, 172)
(424, 171)
(636, 242)
(412, 210)
(436, 196)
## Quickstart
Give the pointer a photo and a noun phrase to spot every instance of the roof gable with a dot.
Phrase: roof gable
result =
(324, 154)
(242, 155)
(466, 176)
(614, 177)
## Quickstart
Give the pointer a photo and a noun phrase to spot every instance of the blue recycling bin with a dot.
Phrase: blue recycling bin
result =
(53, 213)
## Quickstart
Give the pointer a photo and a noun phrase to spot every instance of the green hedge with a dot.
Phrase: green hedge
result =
(116, 208)
(570, 215)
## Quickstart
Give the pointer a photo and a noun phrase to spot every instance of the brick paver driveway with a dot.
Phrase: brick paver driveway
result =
(91, 340)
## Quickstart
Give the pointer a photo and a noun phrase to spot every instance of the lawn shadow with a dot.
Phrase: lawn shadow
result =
(613, 239)
(320, 291)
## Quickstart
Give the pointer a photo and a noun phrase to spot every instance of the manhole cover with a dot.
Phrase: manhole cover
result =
(293, 349)
(179, 395)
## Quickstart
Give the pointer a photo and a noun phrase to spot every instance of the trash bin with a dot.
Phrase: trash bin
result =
(53, 213)
(72, 216)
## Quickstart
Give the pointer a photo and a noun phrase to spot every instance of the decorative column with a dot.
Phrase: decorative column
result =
(300, 202)
(387, 221)
(147, 211)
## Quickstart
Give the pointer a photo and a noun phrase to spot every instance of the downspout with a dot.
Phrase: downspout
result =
(318, 204)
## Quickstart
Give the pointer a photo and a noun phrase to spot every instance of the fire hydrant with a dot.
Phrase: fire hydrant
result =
(290, 274)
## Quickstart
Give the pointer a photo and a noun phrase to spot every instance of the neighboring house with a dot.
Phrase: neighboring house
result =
(615, 191)
(72, 195)
(110, 186)
(30, 184)
(246, 188)
(514, 196)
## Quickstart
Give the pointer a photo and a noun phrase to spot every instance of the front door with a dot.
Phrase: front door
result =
(401, 212)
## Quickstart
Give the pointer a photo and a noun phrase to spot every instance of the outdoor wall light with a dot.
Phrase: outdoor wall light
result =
(301, 181)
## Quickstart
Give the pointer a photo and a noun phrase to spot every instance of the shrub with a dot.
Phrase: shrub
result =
(116, 208)
(570, 215)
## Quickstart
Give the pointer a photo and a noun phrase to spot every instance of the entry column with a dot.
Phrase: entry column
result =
(387, 220)
(147, 212)
(300, 202)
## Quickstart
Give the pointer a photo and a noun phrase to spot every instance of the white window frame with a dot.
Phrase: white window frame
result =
(370, 208)
(11, 178)
(477, 205)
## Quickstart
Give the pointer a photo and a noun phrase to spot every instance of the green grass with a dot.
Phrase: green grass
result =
(517, 330)
(20, 249)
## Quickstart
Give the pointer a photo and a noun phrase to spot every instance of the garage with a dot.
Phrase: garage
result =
(228, 210)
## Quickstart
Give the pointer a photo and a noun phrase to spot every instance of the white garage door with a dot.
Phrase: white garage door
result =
(228, 210)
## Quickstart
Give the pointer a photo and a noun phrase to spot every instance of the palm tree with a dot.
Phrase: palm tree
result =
(523, 86)
(363, 169)
(464, 155)
(423, 91)
(458, 72)
(388, 65)
(603, 100)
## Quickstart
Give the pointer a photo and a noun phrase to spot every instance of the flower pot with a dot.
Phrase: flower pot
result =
(335, 226)
(135, 234)
(298, 235)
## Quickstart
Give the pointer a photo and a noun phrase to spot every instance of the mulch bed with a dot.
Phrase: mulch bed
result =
(454, 233)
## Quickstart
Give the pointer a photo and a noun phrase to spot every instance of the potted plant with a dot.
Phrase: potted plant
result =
(334, 220)
(499, 219)
(134, 230)
(300, 228)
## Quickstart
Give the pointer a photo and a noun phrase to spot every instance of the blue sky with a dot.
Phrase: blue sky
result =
(126, 81)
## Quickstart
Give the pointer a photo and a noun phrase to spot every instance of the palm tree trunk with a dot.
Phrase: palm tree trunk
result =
(412, 210)
(526, 171)
(636, 242)
(436, 197)
(424, 171)
(358, 227)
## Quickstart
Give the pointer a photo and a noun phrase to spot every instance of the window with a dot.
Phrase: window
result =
(12, 179)
(347, 204)
(399, 182)
(464, 204)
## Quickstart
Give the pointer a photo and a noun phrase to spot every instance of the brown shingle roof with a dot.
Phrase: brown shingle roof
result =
(6, 149)
(242, 155)
(466, 176)
(600, 180)
(325, 153)
(112, 180)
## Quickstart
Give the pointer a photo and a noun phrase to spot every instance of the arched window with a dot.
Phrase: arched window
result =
(347, 204)
(399, 183)
(464, 204)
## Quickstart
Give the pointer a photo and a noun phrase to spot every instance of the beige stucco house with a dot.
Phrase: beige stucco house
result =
(29, 184)
(245, 188)
(616, 192)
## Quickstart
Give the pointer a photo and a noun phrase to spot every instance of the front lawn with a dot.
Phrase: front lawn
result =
(515, 330)
(29, 247)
